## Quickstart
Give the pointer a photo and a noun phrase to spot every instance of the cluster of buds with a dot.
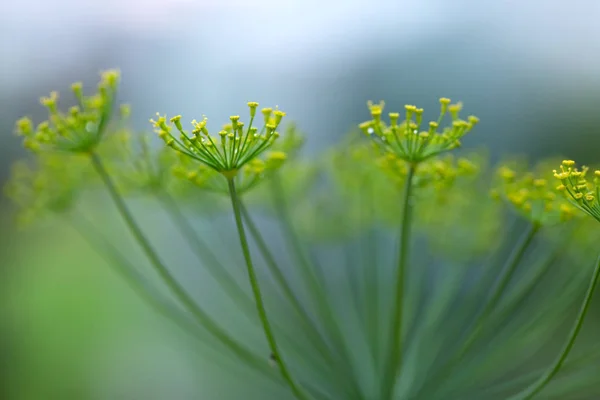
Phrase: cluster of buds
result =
(235, 147)
(532, 196)
(578, 189)
(408, 140)
(47, 184)
(81, 128)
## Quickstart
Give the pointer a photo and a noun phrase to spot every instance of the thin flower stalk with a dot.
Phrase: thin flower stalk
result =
(531, 391)
(496, 294)
(162, 270)
(393, 364)
(260, 306)
(149, 294)
(311, 281)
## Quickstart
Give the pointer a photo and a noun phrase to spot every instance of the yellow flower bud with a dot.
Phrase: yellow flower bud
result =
(252, 105)
(278, 116)
(568, 163)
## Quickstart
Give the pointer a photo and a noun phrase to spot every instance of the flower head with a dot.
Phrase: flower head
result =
(228, 152)
(408, 140)
(79, 129)
(582, 190)
(532, 195)
(46, 184)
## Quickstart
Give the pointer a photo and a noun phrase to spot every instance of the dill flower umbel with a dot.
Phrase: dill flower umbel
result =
(582, 192)
(408, 140)
(81, 128)
(532, 196)
(46, 185)
(235, 146)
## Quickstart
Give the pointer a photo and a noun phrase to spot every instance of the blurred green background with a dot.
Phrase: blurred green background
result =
(69, 328)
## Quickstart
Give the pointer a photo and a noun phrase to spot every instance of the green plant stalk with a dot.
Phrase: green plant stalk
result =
(309, 275)
(538, 385)
(371, 277)
(316, 337)
(149, 295)
(325, 359)
(163, 272)
(204, 254)
(132, 277)
(393, 364)
(502, 282)
(311, 281)
(511, 265)
(260, 306)
(496, 389)
(515, 302)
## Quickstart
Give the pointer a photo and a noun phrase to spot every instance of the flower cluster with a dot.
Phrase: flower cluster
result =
(235, 147)
(582, 192)
(78, 130)
(532, 196)
(408, 140)
(47, 184)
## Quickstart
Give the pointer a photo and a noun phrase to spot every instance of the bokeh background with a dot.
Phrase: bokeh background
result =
(69, 328)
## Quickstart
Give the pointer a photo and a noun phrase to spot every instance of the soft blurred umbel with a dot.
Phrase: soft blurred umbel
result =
(527, 69)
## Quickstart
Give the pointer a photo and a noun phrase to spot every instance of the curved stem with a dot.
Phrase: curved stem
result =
(394, 361)
(138, 282)
(371, 277)
(260, 306)
(218, 271)
(204, 254)
(498, 290)
(315, 336)
(538, 385)
(314, 283)
(507, 272)
(145, 290)
(164, 273)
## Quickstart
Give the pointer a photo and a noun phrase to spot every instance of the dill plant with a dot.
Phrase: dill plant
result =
(394, 272)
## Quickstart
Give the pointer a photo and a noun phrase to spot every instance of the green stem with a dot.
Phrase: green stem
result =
(138, 282)
(162, 270)
(216, 268)
(260, 306)
(371, 276)
(313, 283)
(204, 254)
(394, 361)
(309, 275)
(145, 290)
(504, 279)
(508, 271)
(282, 281)
(537, 386)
